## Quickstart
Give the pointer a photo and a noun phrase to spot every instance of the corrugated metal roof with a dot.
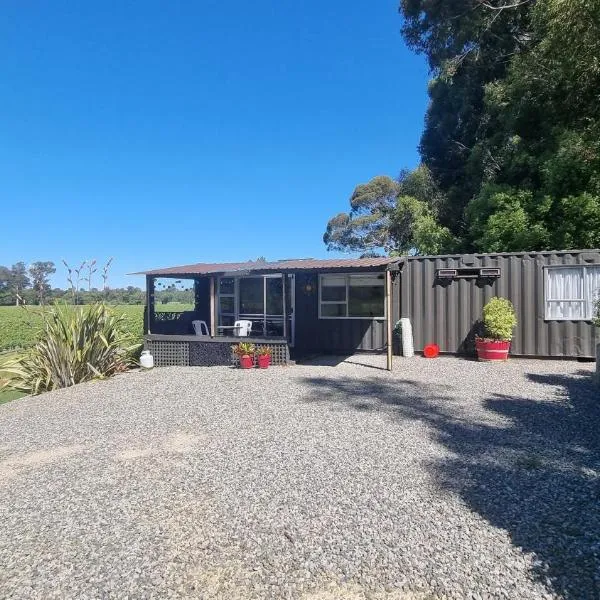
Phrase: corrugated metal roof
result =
(279, 265)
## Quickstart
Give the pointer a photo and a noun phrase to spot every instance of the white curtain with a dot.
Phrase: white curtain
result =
(565, 294)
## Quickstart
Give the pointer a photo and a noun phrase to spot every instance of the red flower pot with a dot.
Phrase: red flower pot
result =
(264, 360)
(491, 350)
(246, 361)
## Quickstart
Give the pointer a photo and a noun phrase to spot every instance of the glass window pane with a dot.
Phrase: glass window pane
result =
(333, 280)
(251, 295)
(333, 310)
(565, 310)
(257, 327)
(227, 304)
(274, 328)
(227, 321)
(565, 283)
(367, 280)
(226, 285)
(274, 296)
(333, 294)
(289, 284)
(333, 288)
(366, 301)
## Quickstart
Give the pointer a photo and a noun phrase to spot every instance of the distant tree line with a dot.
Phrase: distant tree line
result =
(21, 285)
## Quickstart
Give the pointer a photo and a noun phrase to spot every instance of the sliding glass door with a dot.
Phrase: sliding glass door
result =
(251, 302)
(258, 299)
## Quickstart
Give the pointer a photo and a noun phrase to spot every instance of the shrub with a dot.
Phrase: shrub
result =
(597, 312)
(75, 345)
(499, 319)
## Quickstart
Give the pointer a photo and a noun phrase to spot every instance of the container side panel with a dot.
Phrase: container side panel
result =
(448, 312)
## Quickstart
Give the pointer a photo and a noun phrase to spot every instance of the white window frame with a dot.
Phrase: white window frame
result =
(588, 294)
(348, 276)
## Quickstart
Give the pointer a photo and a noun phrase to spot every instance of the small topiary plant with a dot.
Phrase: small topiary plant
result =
(499, 319)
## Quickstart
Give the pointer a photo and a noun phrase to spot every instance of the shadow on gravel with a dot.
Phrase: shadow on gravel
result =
(536, 474)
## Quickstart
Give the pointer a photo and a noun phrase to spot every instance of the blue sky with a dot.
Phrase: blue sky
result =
(164, 133)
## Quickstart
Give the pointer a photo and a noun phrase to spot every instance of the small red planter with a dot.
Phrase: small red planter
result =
(492, 350)
(264, 360)
(246, 361)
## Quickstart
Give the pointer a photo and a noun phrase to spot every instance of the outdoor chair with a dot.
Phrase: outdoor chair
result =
(201, 328)
(242, 328)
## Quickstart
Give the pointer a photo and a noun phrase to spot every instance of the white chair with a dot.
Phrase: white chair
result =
(201, 328)
(242, 328)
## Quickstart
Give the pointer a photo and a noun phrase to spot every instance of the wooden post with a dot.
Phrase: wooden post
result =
(388, 318)
(283, 293)
(212, 308)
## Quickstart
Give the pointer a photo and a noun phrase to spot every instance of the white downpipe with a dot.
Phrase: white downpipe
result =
(408, 348)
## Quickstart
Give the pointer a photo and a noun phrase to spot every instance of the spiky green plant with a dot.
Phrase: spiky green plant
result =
(76, 344)
(244, 349)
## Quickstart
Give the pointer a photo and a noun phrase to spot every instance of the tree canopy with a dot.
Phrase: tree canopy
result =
(394, 216)
(511, 144)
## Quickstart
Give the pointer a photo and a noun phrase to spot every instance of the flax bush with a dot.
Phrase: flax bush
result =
(499, 319)
(76, 344)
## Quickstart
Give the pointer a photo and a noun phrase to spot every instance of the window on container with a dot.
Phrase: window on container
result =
(571, 292)
(352, 296)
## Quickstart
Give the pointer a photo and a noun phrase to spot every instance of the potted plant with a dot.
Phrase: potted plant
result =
(264, 357)
(245, 352)
(499, 320)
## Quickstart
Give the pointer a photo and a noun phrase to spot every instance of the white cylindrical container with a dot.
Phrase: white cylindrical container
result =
(408, 348)
(146, 359)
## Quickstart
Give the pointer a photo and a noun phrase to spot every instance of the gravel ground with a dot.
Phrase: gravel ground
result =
(444, 479)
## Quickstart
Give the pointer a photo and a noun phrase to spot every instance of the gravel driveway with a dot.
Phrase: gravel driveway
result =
(444, 479)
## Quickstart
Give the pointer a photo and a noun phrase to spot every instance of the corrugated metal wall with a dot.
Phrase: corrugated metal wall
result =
(447, 314)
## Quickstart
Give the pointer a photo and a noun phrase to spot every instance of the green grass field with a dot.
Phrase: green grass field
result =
(20, 326)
